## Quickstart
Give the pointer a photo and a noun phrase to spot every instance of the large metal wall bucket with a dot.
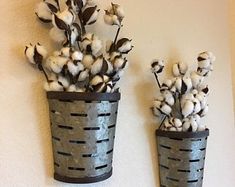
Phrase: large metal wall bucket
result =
(83, 131)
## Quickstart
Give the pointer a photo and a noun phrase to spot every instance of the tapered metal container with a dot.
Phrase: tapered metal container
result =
(181, 158)
(83, 131)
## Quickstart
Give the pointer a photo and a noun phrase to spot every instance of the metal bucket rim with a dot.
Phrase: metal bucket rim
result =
(85, 96)
(172, 134)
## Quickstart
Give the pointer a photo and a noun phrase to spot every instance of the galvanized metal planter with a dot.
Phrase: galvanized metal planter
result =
(83, 132)
(181, 158)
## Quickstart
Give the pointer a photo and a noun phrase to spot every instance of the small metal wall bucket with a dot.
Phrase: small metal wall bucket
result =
(83, 131)
(181, 158)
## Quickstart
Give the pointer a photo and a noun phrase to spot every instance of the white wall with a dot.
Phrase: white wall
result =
(172, 30)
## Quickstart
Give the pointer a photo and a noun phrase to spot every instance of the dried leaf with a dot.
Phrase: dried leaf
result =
(87, 13)
(42, 19)
(26, 48)
(105, 67)
(52, 8)
(37, 56)
(60, 23)
(200, 59)
(98, 87)
(205, 90)
(183, 88)
(69, 3)
(121, 42)
(79, 4)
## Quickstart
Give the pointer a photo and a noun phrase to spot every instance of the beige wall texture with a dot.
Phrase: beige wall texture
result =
(172, 30)
(232, 43)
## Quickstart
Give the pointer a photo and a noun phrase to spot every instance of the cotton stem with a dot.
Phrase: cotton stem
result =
(44, 72)
(164, 118)
(158, 82)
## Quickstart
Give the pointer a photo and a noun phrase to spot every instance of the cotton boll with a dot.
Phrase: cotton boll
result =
(186, 125)
(201, 127)
(96, 46)
(75, 67)
(166, 85)
(180, 129)
(204, 72)
(168, 97)
(178, 84)
(114, 55)
(206, 56)
(77, 56)
(187, 96)
(98, 83)
(83, 75)
(116, 20)
(166, 109)
(194, 125)
(201, 96)
(197, 79)
(96, 80)
(72, 88)
(177, 122)
(80, 90)
(109, 87)
(91, 44)
(204, 111)
(179, 69)
(120, 63)
(187, 108)
(87, 61)
(68, 16)
(96, 66)
(172, 129)
(197, 106)
(197, 118)
(63, 81)
(101, 66)
(167, 124)
(35, 54)
(55, 64)
(53, 86)
(204, 63)
(65, 52)
(57, 35)
(108, 19)
(29, 53)
(194, 92)
(155, 108)
(119, 11)
(41, 50)
(87, 41)
(187, 82)
(43, 12)
(157, 66)
(124, 45)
